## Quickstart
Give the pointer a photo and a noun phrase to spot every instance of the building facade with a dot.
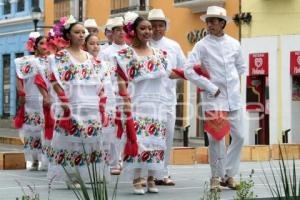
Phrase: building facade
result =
(185, 27)
(270, 42)
(15, 25)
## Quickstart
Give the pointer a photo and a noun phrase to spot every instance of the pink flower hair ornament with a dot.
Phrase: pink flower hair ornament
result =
(30, 44)
(129, 33)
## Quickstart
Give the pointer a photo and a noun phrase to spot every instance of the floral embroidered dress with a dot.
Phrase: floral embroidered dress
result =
(42, 80)
(33, 118)
(82, 83)
(145, 77)
(111, 91)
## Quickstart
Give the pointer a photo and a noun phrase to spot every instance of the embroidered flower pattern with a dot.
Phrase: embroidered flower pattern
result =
(73, 158)
(44, 63)
(32, 143)
(69, 71)
(146, 127)
(33, 118)
(26, 67)
(156, 156)
(83, 129)
(148, 64)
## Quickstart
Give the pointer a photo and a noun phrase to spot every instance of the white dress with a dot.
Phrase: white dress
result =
(31, 130)
(113, 99)
(82, 83)
(146, 74)
(44, 71)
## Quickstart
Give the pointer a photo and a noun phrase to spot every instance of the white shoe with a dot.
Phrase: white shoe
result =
(137, 187)
(138, 191)
(34, 166)
(151, 185)
(153, 190)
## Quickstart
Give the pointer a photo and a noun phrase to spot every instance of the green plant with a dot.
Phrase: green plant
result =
(210, 195)
(26, 197)
(96, 180)
(245, 189)
(287, 187)
(33, 196)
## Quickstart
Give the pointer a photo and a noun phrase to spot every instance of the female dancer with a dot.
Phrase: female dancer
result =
(29, 119)
(77, 80)
(143, 68)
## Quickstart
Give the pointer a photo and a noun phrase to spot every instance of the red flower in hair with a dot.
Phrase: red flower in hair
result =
(30, 44)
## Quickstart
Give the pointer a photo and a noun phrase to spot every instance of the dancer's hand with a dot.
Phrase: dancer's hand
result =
(22, 100)
(217, 93)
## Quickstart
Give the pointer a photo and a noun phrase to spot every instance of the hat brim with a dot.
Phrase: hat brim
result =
(158, 19)
(226, 18)
(96, 27)
(116, 25)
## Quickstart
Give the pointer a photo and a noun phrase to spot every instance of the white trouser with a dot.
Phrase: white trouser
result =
(227, 163)
(171, 116)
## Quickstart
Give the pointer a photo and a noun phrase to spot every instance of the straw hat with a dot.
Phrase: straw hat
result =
(157, 14)
(90, 23)
(117, 22)
(216, 11)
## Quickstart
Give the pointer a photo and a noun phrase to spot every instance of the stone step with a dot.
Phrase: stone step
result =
(12, 160)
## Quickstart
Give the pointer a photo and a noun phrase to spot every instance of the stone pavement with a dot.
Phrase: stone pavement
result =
(190, 181)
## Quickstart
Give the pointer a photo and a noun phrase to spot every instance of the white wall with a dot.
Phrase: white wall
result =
(291, 109)
(257, 45)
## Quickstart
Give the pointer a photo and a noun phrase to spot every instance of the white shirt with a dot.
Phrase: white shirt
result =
(111, 82)
(176, 59)
(108, 53)
(102, 49)
(222, 58)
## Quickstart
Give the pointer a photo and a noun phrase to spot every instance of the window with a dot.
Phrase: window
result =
(122, 6)
(20, 5)
(35, 3)
(18, 55)
(6, 83)
(61, 8)
(6, 7)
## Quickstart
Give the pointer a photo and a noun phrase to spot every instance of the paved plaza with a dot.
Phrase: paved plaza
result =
(190, 181)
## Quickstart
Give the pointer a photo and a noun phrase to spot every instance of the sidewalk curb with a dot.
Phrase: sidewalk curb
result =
(10, 140)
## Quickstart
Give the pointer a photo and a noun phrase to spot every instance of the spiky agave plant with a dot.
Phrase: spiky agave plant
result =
(288, 185)
(97, 181)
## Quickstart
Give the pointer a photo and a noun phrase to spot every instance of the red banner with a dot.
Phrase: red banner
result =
(258, 63)
(295, 62)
